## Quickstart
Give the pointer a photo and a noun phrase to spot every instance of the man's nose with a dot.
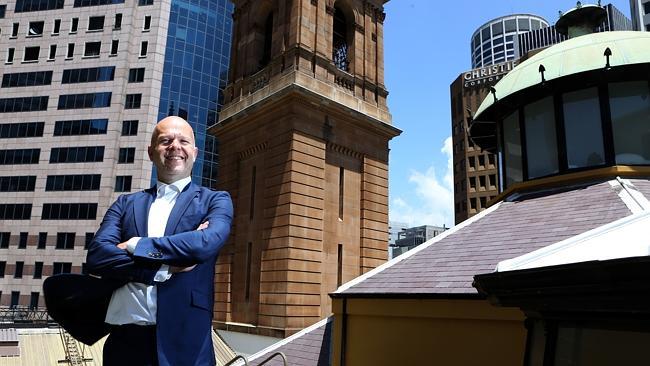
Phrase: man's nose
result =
(175, 144)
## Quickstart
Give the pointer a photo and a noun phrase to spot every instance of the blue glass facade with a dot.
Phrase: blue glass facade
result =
(196, 72)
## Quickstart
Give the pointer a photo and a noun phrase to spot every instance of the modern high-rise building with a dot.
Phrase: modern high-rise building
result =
(494, 42)
(640, 14)
(83, 84)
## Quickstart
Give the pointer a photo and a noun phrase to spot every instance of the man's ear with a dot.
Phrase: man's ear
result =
(150, 152)
(196, 152)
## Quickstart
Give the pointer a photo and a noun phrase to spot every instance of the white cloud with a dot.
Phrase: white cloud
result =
(434, 195)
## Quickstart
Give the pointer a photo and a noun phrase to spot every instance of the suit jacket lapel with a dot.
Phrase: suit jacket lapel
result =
(141, 206)
(182, 203)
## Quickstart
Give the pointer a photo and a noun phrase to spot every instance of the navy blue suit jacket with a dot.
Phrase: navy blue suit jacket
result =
(185, 301)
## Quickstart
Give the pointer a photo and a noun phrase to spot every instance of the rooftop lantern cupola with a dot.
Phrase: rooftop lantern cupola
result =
(581, 20)
(577, 111)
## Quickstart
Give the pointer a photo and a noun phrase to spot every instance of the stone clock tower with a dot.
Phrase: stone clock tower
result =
(304, 153)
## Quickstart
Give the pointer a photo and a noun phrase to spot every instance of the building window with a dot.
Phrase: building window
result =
(541, 140)
(481, 182)
(92, 49)
(4, 240)
(81, 127)
(472, 183)
(23, 6)
(23, 104)
(646, 8)
(65, 240)
(57, 26)
(145, 2)
(70, 52)
(19, 269)
(340, 44)
(143, 48)
(96, 23)
(69, 211)
(89, 239)
(3, 10)
(31, 54)
(3, 268)
(583, 129)
(14, 30)
(133, 101)
(481, 161)
(147, 23)
(84, 3)
(19, 156)
(73, 182)
(268, 41)
(10, 55)
(22, 240)
(42, 240)
(61, 267)
(123, 183)
(512, 149)
(33, 300)
(15, 211)
(22, 183)
(126, 155)
(130, 128)
(115, 44)
(74, 24)
(35, 29)
(630, 107)
(19, 130)
(117, 24)
(136, 75)
(88, 75)
(52, 54)
(81, 154)
(38, 270)
(20, 79)
(90, 100)
(15, 299)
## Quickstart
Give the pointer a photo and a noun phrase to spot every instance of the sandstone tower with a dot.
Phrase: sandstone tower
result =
(304, 153)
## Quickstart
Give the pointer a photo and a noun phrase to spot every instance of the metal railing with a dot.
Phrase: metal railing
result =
(266, 360)
(24, 315)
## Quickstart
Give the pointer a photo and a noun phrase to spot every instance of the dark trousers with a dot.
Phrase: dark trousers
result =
(131, 345)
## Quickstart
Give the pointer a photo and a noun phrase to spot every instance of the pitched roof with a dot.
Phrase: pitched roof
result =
(309, 347)
(445, 265)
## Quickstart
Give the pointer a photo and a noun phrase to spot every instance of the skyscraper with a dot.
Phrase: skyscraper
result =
(84, 83)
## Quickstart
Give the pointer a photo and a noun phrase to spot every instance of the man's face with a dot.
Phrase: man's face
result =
(172, 149)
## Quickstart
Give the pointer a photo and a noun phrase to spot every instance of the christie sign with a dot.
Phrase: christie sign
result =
(488, 75)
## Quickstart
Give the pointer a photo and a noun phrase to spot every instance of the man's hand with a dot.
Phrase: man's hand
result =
(174, 269)
(122, 245)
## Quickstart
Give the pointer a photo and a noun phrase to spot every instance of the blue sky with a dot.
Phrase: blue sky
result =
(426, 45)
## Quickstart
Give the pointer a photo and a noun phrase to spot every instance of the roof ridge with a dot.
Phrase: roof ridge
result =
(630, 195)
(415, 250)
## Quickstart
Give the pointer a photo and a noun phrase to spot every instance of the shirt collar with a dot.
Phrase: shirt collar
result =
(177, 186)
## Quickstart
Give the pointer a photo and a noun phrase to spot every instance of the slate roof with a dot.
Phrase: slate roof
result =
(447, 264)
(310, 347)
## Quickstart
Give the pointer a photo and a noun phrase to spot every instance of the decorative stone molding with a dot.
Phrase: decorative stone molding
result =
(344, 150)
(314, 2)
(360, 28)
(253, 150)
(381, 16)
(374, 37)
(329, 9)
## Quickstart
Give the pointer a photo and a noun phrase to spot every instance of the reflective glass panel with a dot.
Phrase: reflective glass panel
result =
(583, 129)
(512, 149)
(630, 108)
(541, 141)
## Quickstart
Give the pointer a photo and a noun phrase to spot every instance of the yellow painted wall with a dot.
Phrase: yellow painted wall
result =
(428, 332)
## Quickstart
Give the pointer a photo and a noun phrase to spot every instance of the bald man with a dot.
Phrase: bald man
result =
(163, 244)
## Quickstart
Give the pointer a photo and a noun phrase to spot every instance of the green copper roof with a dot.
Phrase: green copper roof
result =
(573, 56)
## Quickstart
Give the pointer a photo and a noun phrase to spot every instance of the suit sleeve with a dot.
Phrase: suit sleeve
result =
(107, 260)
(192, 247)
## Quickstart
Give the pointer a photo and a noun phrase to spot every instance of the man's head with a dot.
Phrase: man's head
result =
(172, 149)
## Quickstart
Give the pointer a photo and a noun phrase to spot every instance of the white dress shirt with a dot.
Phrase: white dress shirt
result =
(135, 303)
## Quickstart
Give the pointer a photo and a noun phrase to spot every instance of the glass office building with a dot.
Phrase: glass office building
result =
(494, 41)
(195, 72)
